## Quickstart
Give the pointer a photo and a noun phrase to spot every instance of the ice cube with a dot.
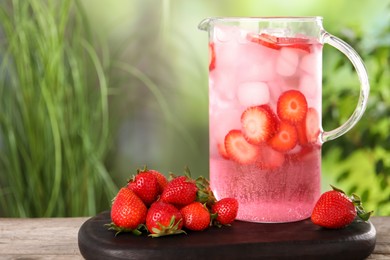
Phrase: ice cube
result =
(224, 33)
(309, 86)
(253, 93)
(256, 63)
(221, 122)
(287, 62)
(310, 64)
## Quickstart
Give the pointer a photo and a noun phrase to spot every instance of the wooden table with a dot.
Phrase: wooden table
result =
(56, 238)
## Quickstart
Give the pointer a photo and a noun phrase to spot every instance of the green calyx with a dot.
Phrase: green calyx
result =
(357, 202)
(112, 226)
(171, 229)
(204, 194)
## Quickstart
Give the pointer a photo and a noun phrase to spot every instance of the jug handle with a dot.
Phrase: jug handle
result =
(358, 64)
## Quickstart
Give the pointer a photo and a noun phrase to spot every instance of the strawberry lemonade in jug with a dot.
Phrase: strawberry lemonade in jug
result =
(264, 122)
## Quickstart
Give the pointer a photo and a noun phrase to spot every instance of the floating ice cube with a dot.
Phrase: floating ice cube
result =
(221, 122)
(287, 62)
(309, 86)
(310, 64)
(256, 63)
(226, 33)
(253, 93)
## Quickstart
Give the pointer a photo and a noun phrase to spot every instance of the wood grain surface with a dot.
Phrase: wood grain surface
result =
(242, 240)
(57, 238)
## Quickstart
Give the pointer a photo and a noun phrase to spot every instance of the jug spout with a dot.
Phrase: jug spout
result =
(205, 24)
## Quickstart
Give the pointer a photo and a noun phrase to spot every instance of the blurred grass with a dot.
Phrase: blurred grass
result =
(54, 112)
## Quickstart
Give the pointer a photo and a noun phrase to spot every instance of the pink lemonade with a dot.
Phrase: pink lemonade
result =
(265, 122)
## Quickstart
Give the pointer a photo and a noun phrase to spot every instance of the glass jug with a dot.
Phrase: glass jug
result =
(265, 133)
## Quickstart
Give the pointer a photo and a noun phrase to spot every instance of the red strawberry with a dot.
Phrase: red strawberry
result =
(285, 139)
(336, 210)
(128, 212)
(258, 124)
(161, 180)
(145, 185)
(163, 219)
(180, 191)
(211, 56)
(292, 106)
(226, 210)
(196, 216)
(238, 149)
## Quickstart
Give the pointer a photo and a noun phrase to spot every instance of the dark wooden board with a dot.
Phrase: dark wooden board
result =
(242, 240)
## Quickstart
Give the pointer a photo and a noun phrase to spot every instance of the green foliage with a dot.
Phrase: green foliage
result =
(54, 124)
(360, 161)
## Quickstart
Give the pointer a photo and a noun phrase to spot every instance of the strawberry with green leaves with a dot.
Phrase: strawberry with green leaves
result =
(145, 185)
(164, 219)
(225, 211)
(180, 191)
(335, 210)
(128, 212)
(196, 216)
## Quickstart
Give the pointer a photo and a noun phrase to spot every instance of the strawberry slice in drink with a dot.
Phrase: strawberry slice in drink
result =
(264, 39)
(277, 43)
(309, 129)
(238, 149)
(292, 106)
(258, 124)
(312, 125)
(285, 139)
(294, 42)
(211, 56)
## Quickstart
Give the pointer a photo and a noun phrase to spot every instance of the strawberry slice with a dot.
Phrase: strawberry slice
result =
(292, 106)
(301, 131)
(238, 149)
(211, 56)
(265, 40)
(258, 124)
(277, 43)
(293, 42)
(312, 125)
(285, 139)
(222, 150)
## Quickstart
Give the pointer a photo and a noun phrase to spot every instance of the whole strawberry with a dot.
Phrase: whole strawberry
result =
(225, 211)
(196, 216)
(180, 191)
(335, 210)
(161, 179)
(164, 219)
(145, 185)
(128, 212)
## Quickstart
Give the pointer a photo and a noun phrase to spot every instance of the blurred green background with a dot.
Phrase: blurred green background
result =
(91, 90)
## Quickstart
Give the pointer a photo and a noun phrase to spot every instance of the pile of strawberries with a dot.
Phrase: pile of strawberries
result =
(163, 207)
